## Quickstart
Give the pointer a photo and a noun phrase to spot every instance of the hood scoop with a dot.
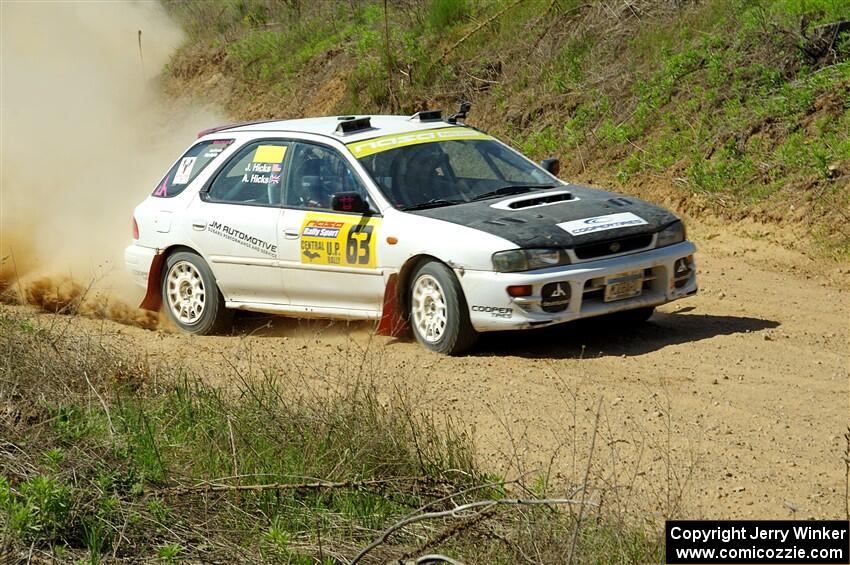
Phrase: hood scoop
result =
(535, 200)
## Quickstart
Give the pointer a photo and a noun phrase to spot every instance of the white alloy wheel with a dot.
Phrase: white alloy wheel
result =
(185, 292)
(428, 308)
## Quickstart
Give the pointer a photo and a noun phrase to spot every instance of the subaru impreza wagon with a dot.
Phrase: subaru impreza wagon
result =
(421, 223)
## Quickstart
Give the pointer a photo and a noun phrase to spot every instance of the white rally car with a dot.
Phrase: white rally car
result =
(419, 222)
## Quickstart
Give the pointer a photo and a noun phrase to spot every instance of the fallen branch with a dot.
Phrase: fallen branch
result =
(314, 485)
(432, 558)
(449, 532)
(463, 511)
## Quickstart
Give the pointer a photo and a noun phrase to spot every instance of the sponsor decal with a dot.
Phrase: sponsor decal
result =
(242, 238)
(387, 142)
(214, 151)
(602, 223)
(224, 142)
(320, 228)
(162, 189)
(495, 311)
(559, 291)
(339, 239)
(184, 170)
(556, 296)
(269, 154)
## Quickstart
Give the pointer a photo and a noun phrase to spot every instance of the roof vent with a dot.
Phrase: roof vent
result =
(427, 116)
(353, 125)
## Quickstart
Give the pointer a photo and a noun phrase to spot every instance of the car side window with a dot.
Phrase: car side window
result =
(253, 176)
(316, 174)
(190, 166)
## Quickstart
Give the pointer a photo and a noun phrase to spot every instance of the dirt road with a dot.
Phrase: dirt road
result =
(737, 399)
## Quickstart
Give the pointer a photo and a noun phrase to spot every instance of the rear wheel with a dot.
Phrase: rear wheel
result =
(439, 315)
(191, 296)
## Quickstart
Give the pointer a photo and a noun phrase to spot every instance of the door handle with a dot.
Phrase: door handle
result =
(291, 234)
(200, 226)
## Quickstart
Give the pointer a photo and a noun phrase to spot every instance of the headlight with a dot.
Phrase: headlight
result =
(528, 259)
(674, 233)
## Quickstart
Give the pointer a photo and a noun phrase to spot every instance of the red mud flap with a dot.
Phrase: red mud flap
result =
(153, 297)
(392, 323)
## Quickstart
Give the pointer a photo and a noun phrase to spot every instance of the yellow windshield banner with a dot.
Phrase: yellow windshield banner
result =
(394, 141)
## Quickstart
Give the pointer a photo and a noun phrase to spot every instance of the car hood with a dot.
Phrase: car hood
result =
(521, 220)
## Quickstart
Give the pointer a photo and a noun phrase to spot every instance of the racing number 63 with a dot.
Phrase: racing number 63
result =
(357, 245)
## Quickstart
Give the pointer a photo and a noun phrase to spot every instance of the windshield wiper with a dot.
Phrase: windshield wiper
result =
(511, 189)
(433, 203)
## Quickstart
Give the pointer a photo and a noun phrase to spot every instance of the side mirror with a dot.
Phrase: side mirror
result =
(553, 165)
(349, 202)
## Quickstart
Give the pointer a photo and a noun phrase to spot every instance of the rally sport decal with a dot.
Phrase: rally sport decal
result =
(339, 240)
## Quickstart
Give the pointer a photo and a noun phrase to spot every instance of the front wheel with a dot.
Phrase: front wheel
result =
(439, 315)
(191, 296)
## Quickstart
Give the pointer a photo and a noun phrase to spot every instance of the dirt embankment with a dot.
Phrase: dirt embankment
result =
(733, 403)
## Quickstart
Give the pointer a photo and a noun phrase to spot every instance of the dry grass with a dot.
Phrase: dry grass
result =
(108, 456)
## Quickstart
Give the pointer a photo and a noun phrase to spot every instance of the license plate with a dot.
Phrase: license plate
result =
(624, 285)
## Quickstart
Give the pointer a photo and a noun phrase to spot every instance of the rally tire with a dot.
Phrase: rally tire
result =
(191, 296)
(438, 313)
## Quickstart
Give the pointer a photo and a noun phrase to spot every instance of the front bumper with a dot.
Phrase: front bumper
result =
(138, 260)
(492, 309)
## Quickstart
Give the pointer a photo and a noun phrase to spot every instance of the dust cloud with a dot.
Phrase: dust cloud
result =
(85, 134)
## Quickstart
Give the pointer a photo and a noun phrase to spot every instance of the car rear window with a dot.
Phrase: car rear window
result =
(190, 166)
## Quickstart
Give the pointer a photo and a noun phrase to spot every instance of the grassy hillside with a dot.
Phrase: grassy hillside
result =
(737, 107)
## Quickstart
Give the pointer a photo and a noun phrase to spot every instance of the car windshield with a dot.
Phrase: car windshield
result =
(449, 172)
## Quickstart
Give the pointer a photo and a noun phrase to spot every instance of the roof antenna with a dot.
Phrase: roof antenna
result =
(465, 107)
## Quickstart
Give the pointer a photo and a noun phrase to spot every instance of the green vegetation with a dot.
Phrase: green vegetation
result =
(738, 106)
(108, 456)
